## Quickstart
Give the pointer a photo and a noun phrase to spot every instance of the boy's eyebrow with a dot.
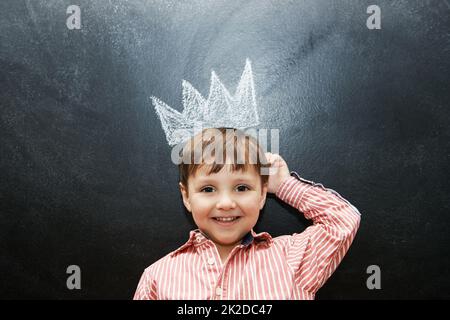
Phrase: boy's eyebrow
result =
(206, 179)
(245, 179)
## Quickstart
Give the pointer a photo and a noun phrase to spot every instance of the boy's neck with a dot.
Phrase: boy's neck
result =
(224, 251)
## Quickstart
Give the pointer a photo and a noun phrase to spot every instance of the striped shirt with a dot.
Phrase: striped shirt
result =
(261, 267)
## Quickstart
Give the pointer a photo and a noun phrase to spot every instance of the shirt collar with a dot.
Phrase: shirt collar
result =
(262, 237)
(198, 238)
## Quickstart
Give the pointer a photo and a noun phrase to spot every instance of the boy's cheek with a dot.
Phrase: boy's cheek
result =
(201, 206)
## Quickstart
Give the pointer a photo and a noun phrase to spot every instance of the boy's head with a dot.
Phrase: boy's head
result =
(221, 183)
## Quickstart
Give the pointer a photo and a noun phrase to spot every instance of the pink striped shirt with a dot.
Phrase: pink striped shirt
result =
(261, 267)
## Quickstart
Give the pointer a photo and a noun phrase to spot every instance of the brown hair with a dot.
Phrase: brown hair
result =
(240, 150)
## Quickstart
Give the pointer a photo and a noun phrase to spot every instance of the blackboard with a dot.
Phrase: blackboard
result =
(86, 177)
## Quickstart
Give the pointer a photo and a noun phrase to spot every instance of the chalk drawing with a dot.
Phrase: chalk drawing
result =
(220, 109)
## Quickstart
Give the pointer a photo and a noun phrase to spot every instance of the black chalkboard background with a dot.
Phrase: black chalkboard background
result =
(85, 171)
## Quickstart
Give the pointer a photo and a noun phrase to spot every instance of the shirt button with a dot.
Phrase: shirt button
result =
(198, 240)
(211, 261)
(218, 291)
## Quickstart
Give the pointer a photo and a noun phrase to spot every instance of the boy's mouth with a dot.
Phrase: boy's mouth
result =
(226, 220)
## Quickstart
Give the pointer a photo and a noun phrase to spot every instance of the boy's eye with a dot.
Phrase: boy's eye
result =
(242, 188)
(207, 189)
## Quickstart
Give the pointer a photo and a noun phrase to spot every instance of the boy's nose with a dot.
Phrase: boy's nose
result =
(225, 202)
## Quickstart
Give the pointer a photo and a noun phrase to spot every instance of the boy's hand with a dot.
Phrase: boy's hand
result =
(279, 171)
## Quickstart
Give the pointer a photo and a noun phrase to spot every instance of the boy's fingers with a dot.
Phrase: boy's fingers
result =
(274, 159)
(272, 156)
(269, 157)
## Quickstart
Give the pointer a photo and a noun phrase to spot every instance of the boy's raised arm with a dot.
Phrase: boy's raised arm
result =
(315, 253)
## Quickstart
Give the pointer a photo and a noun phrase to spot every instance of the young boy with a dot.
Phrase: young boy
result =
(224, 258)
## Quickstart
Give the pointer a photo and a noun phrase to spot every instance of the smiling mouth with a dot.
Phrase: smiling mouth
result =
(227, 220)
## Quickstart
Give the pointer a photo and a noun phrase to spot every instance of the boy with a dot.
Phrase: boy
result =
(224, 258)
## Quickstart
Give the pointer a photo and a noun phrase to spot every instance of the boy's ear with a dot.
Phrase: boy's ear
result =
(185, 195)
(263, 196)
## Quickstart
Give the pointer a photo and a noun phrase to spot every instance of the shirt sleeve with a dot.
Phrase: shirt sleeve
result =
(146, 289)
(315, 253)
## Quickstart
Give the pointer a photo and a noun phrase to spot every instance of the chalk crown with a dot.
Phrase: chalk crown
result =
(220, 109)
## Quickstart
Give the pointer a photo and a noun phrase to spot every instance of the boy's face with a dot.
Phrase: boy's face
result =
(225, 205)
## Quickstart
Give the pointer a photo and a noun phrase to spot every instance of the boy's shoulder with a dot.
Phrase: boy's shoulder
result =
(195, 237)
